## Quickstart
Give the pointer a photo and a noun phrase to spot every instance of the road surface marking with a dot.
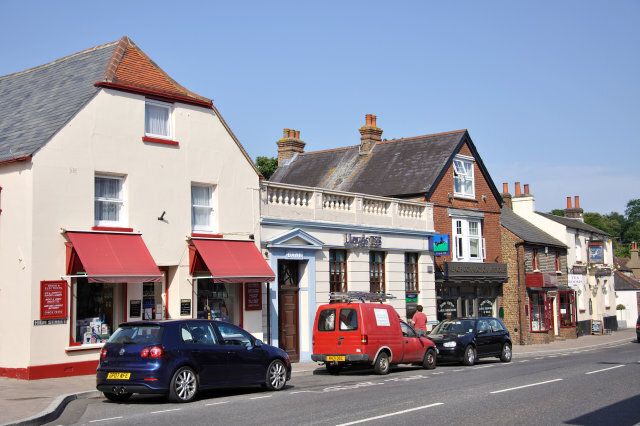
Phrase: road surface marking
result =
(104, 420)
(524, 360)
(294, 392)
(462, 369)
(540, 357)
(216, 403)
(165, 411)
(552, 356)
(438, 372)
(526, 386)
(605, 369)
(481, 366)
(391, 414)
(261, 397)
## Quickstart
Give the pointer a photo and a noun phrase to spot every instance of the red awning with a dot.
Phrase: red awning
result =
(231, 261)
(111, 258)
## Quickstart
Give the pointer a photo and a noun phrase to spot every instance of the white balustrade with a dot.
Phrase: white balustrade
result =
(411, 211)
(375, 206)
(337, 202)
(288, 196)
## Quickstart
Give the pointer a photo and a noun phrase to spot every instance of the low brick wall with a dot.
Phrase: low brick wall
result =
(568, 333)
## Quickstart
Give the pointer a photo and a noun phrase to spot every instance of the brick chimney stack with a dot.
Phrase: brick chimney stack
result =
(370, 134)
(506, 196)
(289, 146)
(634, 262)
(576, 211)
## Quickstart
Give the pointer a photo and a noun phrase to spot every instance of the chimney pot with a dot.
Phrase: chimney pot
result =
(289, 145)
(577, 201)
(373, 120)
(634, 245)
(505, 187)
(526, 189)
(518, 192)
(370, 134)
(569, 202)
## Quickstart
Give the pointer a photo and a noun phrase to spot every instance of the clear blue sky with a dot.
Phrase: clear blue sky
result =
(549, 90)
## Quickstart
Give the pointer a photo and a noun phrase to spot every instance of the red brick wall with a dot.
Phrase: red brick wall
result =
(489, 206)
(514, 291)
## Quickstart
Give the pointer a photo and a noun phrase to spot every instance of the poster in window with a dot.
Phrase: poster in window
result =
(53, 299)
(447, 306)
(185, 306)
(253, 296)
(596, 252)
(486, 308)
(135, 308)
(382, 317)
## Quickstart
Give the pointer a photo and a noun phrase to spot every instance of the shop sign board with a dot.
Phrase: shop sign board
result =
(355, 241)
(411, 297)
(596, 252)
(440, 244)
(185, 306)
(53, 299)
(447, 306)
(135, 308)
(575, 281)
(579, 269)
(50, 321)
(486, 308)
(253, 296)
(294, 254)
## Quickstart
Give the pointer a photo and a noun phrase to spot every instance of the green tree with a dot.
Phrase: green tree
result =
(557, 212)
(266, 165)
(633, 210)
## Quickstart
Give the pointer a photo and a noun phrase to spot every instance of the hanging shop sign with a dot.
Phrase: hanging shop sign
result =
(253, 296)
(135, 308)
(596, 252)
(185, 306)
(440, 244)
(579, 269)
(53, 300)
(362, 241)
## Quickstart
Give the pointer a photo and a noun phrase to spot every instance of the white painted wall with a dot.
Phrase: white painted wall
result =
(628, 298)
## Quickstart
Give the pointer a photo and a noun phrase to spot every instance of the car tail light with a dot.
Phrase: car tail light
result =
(103, 353)
(364, 339)
(153, 352)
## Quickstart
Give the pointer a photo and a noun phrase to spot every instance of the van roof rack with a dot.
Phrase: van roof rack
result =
(363, 296)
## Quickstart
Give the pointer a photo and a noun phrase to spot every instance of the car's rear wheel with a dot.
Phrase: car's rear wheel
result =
(184, 385)
(117, 397)
(382, 365)
(276, 375)
(506, 354)
(469, 357)
(429, 361)
(333, 368)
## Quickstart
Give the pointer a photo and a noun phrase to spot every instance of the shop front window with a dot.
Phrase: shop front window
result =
(94, 315)
(447, 309)
(376, 272)
(338, 270)
(567, 308)
(411, 272)
(218, 301)
(152, 301)
(538, 313)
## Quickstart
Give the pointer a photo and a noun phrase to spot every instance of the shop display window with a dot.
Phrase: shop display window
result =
(95, 316)
(218, 301)
(376, 272)
(567, 308)
(152, 301)
(538, 311)
(338, 270)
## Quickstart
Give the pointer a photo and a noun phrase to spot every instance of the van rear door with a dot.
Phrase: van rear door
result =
(324, 332)
(349, 333)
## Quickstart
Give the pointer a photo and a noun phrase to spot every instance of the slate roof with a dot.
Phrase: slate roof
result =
(393, 168)
(526, 230)
(574, 223)
(37, 102)
(623, 282)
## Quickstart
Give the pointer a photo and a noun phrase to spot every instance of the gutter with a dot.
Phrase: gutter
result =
(16, 160)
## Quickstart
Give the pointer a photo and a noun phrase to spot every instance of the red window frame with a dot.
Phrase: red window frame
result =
(411, 272)
(570, 306)
(376, 272)
(337, 271)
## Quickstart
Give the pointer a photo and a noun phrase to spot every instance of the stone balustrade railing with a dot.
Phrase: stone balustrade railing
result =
(304, 203)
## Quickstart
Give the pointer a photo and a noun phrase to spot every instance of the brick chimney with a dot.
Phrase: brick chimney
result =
(370, 134)
(289, 146)
(574, 212)
(634, 262)
(506, 196)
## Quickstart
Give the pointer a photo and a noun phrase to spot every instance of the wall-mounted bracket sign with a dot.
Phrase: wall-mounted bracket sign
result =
(253, 296)
(596, 252)
(185, 307)
(53, 300)
(440, 244)
(355, 241)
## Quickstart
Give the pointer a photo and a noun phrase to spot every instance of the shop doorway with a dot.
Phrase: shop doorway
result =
(288, 291)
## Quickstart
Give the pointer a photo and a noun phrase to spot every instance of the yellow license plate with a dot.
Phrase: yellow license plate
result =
(336, 358)
(118, 376)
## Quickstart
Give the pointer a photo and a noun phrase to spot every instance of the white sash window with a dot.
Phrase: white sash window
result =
(157, 119)
(202, 207)
(109, 201)
(469, 246)
(463, 184)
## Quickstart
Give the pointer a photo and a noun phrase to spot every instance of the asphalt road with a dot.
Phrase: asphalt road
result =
(589, 387)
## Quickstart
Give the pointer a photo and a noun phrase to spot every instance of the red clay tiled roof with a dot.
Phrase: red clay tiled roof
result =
(131, 69)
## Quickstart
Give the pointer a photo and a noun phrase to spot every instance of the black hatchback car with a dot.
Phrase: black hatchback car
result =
(467, 339)
(180, 357)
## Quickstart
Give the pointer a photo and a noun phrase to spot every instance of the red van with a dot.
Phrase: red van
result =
(369, 334)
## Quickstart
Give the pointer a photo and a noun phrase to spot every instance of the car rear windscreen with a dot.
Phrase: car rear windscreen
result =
(137, 335)
(327, 320)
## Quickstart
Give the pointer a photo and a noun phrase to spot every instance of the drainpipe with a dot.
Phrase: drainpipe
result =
(518, 245)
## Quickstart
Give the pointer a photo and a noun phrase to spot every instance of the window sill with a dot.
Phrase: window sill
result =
(161, 141)
(204, 234)
(465, 197)
(111, 229)
(80, 348)
(539, 331)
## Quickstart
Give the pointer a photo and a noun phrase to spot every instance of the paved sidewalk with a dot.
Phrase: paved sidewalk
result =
(20, 399)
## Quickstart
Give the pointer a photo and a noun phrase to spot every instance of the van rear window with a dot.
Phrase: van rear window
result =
(348, 319)
(327, 320)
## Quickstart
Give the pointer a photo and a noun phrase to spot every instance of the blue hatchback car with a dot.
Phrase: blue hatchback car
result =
(180, 357)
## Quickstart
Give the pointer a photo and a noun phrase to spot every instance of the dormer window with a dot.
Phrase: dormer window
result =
(463, 183)
(157, 119)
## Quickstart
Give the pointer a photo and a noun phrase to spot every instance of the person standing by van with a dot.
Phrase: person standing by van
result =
(419, 321)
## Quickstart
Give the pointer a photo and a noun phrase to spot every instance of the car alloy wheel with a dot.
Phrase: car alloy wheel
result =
(469, 356)
(506, 353)
(276, 375)
(184, 385)
(382, 365)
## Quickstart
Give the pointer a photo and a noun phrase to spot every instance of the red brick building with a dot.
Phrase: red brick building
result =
(444, 169)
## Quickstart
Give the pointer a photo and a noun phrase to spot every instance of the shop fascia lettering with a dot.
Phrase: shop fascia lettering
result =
(355, 241)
